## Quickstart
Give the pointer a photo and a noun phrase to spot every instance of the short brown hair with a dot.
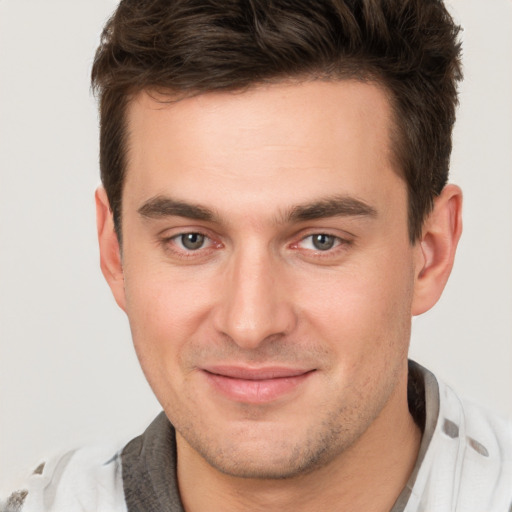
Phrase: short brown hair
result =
(188, 47)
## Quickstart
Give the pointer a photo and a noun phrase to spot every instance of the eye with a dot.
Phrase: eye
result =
(191, 241)
(319, 242)
(323, 242)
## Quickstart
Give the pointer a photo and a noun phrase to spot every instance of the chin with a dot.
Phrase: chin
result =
(270, 454)
(256, 468)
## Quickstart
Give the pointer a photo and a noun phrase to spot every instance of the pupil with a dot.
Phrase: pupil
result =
(323, 242)
(192, 240)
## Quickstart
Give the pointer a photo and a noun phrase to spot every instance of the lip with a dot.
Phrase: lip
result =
(255, 385)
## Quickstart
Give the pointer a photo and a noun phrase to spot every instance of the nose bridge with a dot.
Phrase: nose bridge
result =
(253, 306)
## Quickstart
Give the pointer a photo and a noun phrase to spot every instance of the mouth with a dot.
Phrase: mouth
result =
(256, 385)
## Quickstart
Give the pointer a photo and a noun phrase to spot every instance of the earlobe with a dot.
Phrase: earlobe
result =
(436, 248)
(110, 253)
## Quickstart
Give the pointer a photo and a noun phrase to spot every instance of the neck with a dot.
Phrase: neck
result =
(368, 476)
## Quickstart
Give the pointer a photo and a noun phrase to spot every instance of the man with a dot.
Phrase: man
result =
(274, 211)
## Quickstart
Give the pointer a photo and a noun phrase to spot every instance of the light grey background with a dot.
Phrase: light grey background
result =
(68, 374)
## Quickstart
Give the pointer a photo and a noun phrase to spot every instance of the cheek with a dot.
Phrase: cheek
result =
(363, 309)
(163, 300)
(164, 312)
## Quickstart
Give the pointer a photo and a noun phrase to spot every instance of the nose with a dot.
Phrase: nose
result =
(255, 304)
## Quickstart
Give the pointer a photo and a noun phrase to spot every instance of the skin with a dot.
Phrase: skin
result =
(259, 174)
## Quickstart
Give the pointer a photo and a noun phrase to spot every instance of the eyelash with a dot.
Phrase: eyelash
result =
(337, 250)
(175, 245)
(336, 241)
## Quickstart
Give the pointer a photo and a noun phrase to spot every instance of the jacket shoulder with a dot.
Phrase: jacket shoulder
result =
(479, 444)
(85, 479)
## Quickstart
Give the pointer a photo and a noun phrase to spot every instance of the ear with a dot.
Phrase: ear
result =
(436, 248)
(110, 253)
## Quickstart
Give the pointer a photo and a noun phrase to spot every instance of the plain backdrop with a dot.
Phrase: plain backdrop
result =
(68, 373)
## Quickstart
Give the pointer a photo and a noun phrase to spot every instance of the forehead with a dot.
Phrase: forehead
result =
(300, 139)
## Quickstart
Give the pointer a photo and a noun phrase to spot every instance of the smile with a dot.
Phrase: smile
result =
(255, 386)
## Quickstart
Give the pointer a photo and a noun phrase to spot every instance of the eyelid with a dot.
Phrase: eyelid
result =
(337, 241)
(168, 240)
(341, 236)
(206, 239)
(344, 241)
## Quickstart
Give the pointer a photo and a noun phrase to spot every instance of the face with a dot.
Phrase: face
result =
(268, 276)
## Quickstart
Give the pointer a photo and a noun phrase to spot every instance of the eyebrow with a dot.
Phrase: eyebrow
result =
(161, 206)
(337, 206)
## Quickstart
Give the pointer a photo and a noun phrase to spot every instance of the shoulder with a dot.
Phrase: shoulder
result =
(85, 479)
(469, 460)
(481, 432)
(485, 450)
